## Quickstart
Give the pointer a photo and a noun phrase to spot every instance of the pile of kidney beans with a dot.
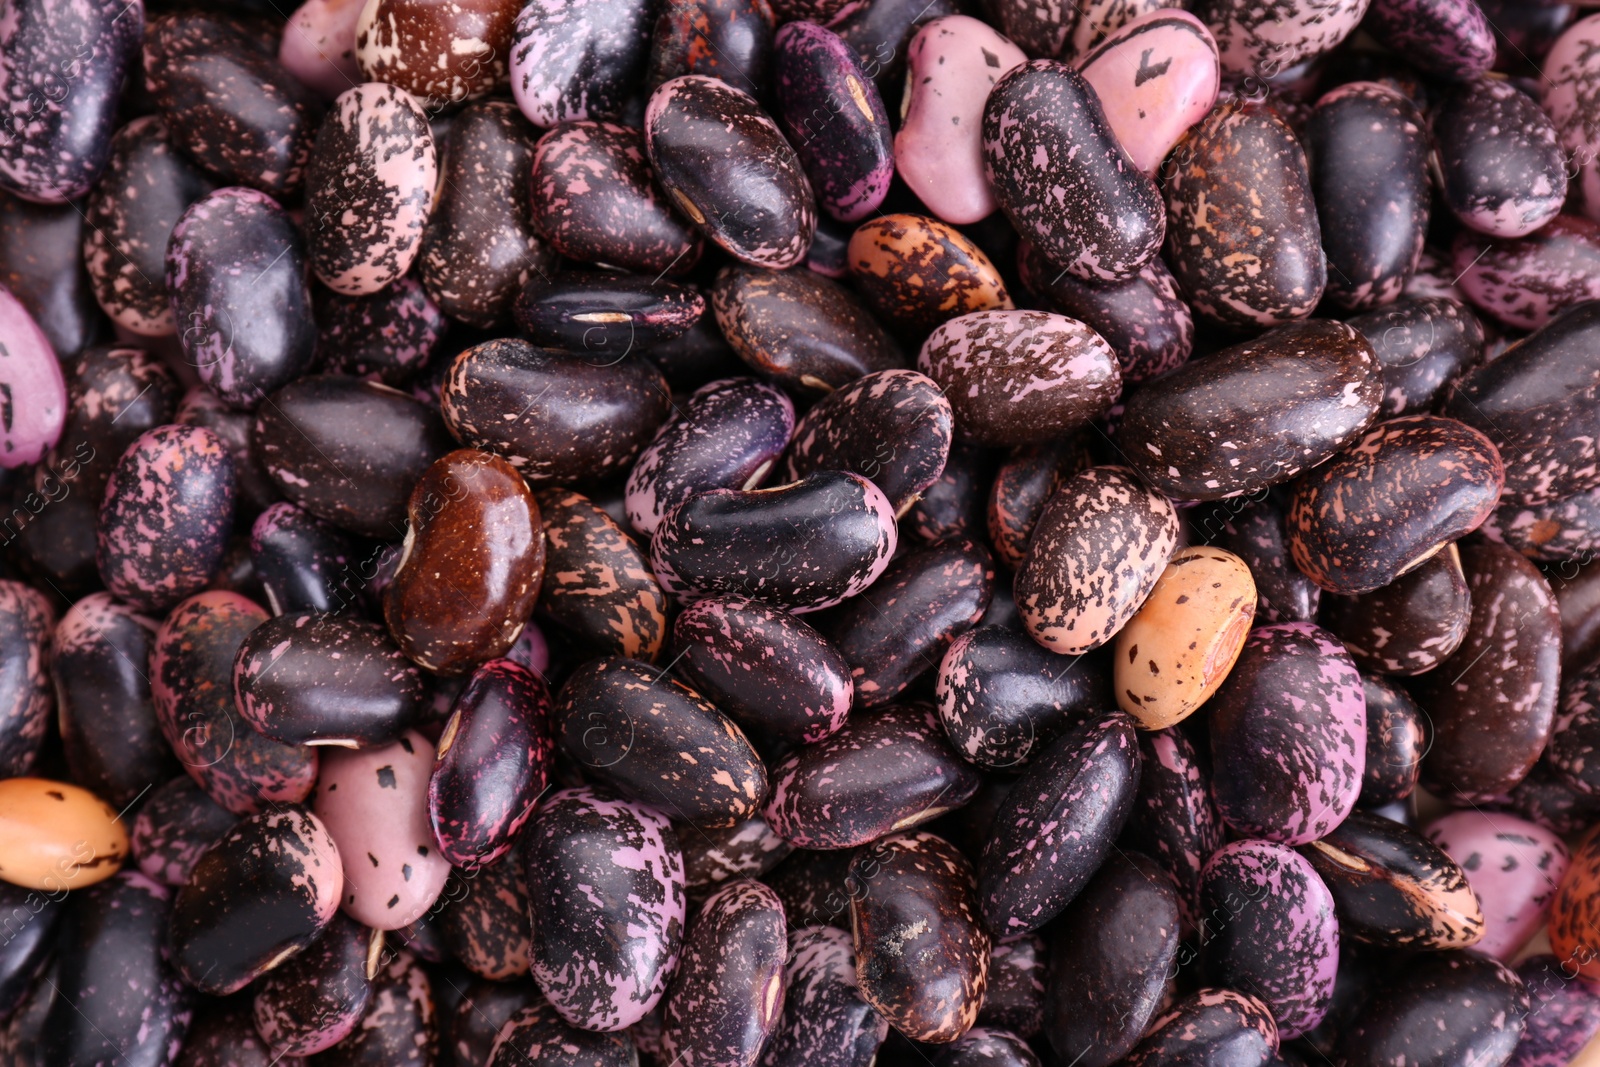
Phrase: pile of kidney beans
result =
(577, 533)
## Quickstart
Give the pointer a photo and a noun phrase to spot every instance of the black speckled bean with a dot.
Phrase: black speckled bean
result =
(174, 828)
(1409, 626)
(1062, 177)
(1174, 818)
(1424, 343)
(1110, 957)
(316, 999)
(483, 919)
(1058, 825)
(1396, 741)
(535, 1036)
(1444, 1007)
(882, 772)
(1211, 1026)
(657, 741)
(825, 1021)
(1501, 167)
(264, 892)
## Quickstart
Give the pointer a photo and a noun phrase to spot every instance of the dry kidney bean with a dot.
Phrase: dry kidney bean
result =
(1110, 222)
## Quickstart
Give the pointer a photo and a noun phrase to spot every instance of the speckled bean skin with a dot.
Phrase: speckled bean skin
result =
(255, 488)
(1576, 733)
(983, 1046)
(1110, 956)
(174, 828)
(1514, 868)
(1502, 682)
(265, 891)
(595, 863)
(632, 728)
(319, 45)
(916, 272)
(65, 61)
(1255, 533)
(747, 849)
(1368, 149)
(727, 435)
(1386, 504)
(33, 392)
(1265, 40)
(1042, 30)
(483, 919)
(922, 952)
(400, 1028)
(1098, 549)
(1573, 911)
(348, 451)
(1061, 176)
(806, 546)
(1543, 436)
(598, 584)
(727, 166)
(825, 1021)
(767, 669)
(385, 337)
(441, 54)
(1394, 887)
(117, 998)
(369, 189)
(726, 998)
(1171, 656)
(1525, 282)
(536, 1035)
(1275, 930)
(473, 561)
(1057, 826)
(236, 270)
(902, 628)
(27, 624)
(589, 419)
(224, 1035)
(1423, 343)
(165, 518)
(1564, 1014)
(316, 678)
(1255, 414)
(98, 662)
(1208, 1023)
(1565, 529)
(1544, 798)
(1244, 266)
(809, 334)
(480, 246)
(573, 61)
(315, 1000)
(1444, 1007)
(593, 197)
(882, 772)
(41, 263)
(1156, 76)
(1144, 319)
(1447, 38)
(1409, 626)
(1396, 742)
(1020, 377)
(1502, 169)
(493, 762)
(1023, 485)
(727, 39)
(1015, 1000)
(191, 683)
(1289, 772)
(1567, 91)
(125, 249)
(374, 802)
(954, 62)
(1174, 819)
(1002, 699)
(847, 155)
(227, 102)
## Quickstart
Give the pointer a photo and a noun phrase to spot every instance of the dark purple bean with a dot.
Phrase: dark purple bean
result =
(492, 764)
(1212, 1027)
(401, 1026)
(1058, 824)
(1424, 343)
(922, 952)
(174, 828)
(598, 585)
(535, 1036)
(825, 1022)
(1443, 1007)
(484, 919)
(1397, 739)
(1412, 624)
(1110, 957)
(1174, 818)
(602, 315)
(387, 336)
(726, 998)
(1500, 163)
